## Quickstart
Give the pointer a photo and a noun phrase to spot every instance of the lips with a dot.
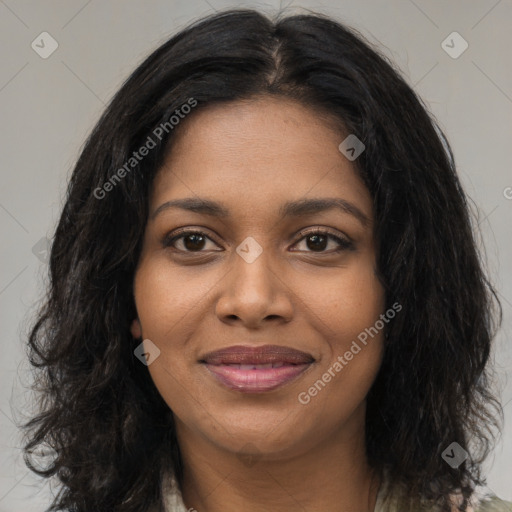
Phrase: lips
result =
(256, 369)
(264, 355)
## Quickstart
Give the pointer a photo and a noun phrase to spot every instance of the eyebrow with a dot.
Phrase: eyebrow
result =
(299, 208)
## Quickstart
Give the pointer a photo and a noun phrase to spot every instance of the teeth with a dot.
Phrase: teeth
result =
(246, 366)
(265, 366)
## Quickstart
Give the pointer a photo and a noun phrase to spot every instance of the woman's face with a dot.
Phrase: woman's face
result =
(253, 279)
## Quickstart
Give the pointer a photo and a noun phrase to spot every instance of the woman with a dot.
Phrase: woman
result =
(265, 292)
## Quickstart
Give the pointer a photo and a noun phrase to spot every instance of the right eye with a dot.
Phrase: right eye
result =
(192, 240)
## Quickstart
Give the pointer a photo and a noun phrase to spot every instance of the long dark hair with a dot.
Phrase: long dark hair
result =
(112, 433)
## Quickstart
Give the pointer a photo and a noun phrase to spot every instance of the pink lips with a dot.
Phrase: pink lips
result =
(256, 369)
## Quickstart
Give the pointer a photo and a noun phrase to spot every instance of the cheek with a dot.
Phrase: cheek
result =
(168, 306)
(349, 307)
(166, 298)
(345, 303)
(361, 303)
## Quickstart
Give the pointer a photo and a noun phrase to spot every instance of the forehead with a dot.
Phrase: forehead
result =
(253, 153)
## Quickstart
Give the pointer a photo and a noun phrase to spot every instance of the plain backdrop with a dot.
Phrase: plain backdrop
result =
(49, 105)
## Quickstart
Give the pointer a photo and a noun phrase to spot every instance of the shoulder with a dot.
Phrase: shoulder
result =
(171, 492)
(492, 503)
(484, 500)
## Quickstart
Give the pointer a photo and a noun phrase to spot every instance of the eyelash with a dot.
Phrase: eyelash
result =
(344, 244)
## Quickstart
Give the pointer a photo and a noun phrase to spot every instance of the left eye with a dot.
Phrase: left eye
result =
(194, 241)
(319, 238)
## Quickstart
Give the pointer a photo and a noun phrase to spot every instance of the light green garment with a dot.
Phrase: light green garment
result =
(482, 501)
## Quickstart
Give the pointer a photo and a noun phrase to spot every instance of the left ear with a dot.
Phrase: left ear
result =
(136, 329)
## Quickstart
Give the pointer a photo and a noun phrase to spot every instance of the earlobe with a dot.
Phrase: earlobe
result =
(136, 329)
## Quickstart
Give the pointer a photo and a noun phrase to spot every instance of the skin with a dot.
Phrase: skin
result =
(253, 156)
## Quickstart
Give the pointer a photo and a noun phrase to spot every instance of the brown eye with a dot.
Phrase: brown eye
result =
(317, 241)
(192, 241)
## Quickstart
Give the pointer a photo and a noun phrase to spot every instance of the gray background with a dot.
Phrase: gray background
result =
(48, 106)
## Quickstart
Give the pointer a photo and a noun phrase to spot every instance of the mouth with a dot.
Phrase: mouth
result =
(256, 369)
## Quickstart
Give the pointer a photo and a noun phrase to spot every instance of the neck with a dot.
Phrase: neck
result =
(331, 475)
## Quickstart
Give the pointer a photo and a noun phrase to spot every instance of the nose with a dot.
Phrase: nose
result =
(254, 294)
